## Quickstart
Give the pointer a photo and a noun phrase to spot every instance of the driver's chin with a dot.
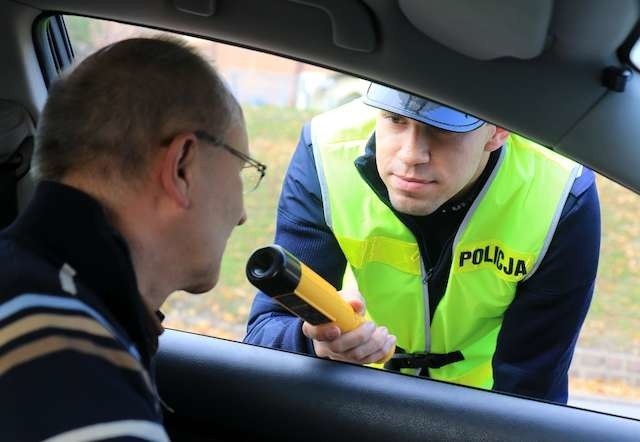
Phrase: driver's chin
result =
(204, 283)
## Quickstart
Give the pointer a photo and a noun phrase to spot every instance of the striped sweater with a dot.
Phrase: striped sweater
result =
(76, 341)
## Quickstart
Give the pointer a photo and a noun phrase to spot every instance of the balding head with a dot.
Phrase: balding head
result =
(108, 114)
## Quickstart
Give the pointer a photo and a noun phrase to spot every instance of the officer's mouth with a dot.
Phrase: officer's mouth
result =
(411, 184)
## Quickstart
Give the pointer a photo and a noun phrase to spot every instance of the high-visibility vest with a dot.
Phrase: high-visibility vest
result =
(500, 242)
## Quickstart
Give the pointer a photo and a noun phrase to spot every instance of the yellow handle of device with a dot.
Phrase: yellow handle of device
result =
(302, 291)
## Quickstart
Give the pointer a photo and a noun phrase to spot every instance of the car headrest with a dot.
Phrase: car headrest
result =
(16, 126)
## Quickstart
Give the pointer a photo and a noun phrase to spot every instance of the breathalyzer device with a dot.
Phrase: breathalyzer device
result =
(303, 292)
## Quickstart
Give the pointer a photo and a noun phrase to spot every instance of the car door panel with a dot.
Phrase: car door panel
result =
(226, 390)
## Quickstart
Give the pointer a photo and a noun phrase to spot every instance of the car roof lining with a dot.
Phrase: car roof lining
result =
(519, 94)
(501, 28)
(242, 22)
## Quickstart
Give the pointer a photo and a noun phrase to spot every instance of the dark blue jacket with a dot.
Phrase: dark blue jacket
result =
(540, 327)
(76, 340)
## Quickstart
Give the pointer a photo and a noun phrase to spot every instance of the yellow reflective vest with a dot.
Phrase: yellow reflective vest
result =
(500, 242)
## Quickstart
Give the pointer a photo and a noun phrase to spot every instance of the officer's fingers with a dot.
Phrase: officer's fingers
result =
(354, 338)
(354, 355)
(357, 306)
(336, 349)
(323, 332)
(322, 350)
(351, 293)
(353, 297)
(380, 355)
(366, 353)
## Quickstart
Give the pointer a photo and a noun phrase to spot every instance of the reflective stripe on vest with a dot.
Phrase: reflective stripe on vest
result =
(501, 242)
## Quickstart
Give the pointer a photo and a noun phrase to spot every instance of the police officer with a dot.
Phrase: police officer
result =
(474, 250)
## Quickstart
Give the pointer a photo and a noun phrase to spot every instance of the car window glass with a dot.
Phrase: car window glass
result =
(278, 96)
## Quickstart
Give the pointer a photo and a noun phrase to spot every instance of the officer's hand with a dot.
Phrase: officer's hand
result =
(363, 345)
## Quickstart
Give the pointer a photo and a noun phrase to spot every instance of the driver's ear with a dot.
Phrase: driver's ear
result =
(177, 169)
(497, 139)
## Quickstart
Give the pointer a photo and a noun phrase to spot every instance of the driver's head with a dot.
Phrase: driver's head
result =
(123, 127)
(427, 153)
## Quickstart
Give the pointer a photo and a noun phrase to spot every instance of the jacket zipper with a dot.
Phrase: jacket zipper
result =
(426, 276)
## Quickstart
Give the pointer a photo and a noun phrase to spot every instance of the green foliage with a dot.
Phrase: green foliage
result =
(82, 34)
(79, 29)
(275, 124)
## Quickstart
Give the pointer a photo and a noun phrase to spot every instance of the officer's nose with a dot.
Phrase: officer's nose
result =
(415, 146)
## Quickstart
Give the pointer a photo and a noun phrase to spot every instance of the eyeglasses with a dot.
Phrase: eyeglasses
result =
(251, 173)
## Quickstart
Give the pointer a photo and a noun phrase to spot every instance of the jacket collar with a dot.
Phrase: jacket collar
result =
(68, 226)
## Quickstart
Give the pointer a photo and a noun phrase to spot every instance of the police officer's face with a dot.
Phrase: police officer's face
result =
(423, 167)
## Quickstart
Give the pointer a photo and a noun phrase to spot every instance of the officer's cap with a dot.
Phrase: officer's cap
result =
(420, 109)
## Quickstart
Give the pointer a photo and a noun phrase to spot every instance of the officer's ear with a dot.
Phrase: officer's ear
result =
(498, 136)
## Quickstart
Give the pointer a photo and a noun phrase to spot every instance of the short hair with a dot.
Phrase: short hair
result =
(124, 100)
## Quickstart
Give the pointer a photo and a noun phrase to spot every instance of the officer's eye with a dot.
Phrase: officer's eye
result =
(394, 118)
(442, 134)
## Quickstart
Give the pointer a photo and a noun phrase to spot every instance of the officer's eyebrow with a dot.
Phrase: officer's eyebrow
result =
(386, 112)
